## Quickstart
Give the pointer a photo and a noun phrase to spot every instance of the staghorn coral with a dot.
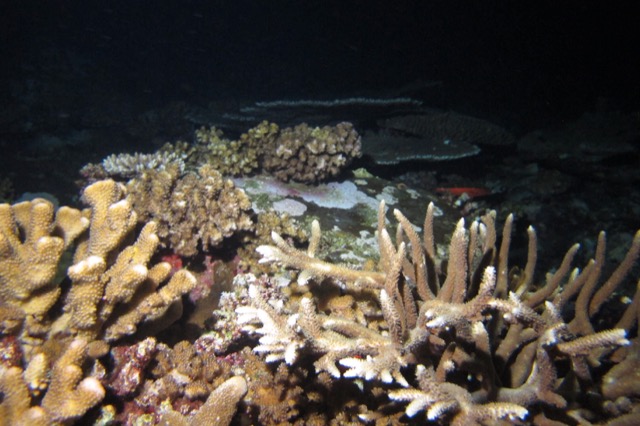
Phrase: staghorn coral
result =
(311, 155)
(197, 210)
(484, 343)
(267, 222)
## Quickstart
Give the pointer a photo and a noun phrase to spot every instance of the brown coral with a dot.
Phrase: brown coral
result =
(196, 211)
(310, 155)
(232, 157)
(113, 288)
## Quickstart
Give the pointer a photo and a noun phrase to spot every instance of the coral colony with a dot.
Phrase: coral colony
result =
(97, 306)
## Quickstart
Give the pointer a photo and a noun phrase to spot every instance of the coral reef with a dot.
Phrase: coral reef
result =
(301, 153)
(109, 289)
(311, 155)
(475, 344)
(229, 157)
(126, 166)
(432, 136)
(131, 165)
(194, 211)
(68, 395)
(185, 384)
(108, 293)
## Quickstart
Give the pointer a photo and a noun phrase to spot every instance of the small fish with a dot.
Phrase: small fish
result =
(471, 191)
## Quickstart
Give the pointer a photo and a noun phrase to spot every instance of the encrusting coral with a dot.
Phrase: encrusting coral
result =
(485, 344)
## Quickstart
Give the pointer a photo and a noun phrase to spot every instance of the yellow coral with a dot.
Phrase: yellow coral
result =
(31, 245)
(125, 285)
(108, 279)
(68, 396)
(218, 410)
(229, 157)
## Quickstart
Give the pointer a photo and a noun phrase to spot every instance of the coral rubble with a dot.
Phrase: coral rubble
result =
(472, 342)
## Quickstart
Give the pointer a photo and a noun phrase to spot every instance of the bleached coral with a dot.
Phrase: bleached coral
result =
(131, 165)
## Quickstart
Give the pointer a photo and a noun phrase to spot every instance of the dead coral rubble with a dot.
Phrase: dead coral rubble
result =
(479, 343)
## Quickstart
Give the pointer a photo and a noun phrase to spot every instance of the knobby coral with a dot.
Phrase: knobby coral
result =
(197, 210)
(301, 153)
(479, 343)
(311, 155)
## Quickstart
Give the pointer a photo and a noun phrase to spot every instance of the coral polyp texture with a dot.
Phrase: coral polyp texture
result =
(233, 157)
(312, 154)
(68, 395)
(301, 153)
(52, 322)
(472, 342)
(195, 211)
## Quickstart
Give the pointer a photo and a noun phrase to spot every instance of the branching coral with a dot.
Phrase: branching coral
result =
(484, 343)
(112, 288)
(68, 397)
(239, 157)
(299, 153)
(53, 327)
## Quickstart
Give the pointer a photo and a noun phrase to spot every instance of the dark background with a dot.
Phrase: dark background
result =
(531, 61)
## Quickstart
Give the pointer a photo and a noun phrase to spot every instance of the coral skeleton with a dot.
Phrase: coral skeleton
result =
(474, 342)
